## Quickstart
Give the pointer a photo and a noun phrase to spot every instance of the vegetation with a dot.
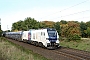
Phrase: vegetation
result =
(84, 44)
(70, 33)
(0, 33)
(11, 51)
(71, 30)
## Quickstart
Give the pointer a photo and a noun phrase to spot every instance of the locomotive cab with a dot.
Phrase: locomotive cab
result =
(53, 39)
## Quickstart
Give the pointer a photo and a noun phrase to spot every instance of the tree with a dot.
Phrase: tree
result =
(64, 29)
(83, 27)
(14, 26)
(63, 22)
(88, 32)
(28, 23)
(20, 25)
(17, 25)
(58, 28)
(70, 30)
(31, 23)
(73, 30)
(88, 24)
(42, 25)
(48, 24)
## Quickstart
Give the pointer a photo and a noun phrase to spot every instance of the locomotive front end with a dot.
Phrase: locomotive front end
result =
(53, 39)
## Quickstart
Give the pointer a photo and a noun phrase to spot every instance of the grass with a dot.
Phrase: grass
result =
(11, 51)
(83, 44)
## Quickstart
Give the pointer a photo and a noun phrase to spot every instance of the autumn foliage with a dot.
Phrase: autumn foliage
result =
(71, 30)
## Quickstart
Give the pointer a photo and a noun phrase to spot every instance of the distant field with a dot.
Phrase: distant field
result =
(10, 51)
(84, 44)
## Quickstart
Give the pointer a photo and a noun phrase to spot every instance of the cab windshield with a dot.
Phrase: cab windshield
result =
(52, 33)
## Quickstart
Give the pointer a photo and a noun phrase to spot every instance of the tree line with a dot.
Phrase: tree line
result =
(71, 30)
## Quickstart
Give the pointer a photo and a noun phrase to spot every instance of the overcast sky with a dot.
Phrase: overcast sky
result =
(51, 10)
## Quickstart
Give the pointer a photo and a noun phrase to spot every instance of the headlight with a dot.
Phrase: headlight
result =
(57, 41)
(48, 41)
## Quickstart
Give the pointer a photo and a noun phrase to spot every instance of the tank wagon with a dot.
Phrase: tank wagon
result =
(48, 37)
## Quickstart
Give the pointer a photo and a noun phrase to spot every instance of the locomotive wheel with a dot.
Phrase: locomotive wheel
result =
(37, 44)
(40, 44)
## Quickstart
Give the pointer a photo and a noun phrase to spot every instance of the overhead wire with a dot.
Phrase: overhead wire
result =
(82, 18)
(68, 8)
(73, 14)
(75, 5)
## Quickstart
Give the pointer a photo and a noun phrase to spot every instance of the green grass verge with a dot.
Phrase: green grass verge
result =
(11, 51)
(83, 44)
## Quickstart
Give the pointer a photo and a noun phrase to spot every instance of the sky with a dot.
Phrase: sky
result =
(43, 10)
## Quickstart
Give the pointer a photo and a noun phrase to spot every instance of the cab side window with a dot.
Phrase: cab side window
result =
(42, 33)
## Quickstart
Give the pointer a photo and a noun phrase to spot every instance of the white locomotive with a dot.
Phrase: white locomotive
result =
(48, 37)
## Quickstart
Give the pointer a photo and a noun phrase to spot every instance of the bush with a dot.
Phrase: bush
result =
(74, 37)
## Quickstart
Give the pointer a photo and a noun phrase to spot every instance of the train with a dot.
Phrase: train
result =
(47, 38)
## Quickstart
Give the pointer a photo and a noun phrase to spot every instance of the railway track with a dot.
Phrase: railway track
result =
(73, 53)
(58, 54)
